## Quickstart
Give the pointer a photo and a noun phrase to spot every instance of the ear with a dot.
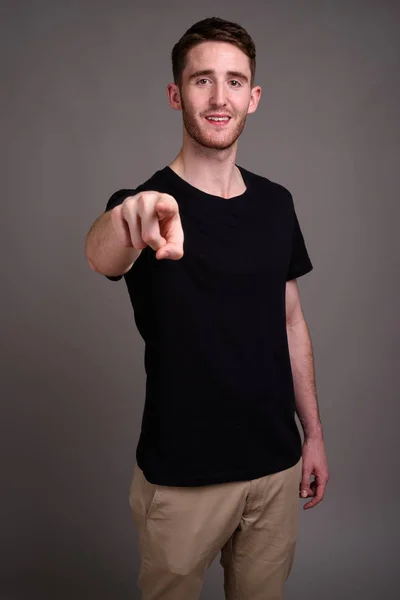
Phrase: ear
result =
(254, 99)
(174, 96)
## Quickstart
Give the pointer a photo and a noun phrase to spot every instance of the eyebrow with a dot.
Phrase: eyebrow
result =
(237, 74)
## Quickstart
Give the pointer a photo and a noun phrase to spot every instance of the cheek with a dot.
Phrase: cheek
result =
(189, 103)
(243, 107)
(198, 99)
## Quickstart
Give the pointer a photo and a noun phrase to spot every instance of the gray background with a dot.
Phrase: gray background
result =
(84, 112)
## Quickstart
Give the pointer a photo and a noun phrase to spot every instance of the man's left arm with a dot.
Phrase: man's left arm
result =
(302, 363)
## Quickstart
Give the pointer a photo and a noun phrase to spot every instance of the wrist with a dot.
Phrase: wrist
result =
(313, 432)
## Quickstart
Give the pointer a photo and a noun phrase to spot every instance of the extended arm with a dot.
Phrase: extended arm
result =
(117, 237)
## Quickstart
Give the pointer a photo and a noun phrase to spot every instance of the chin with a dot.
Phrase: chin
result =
(217, 144)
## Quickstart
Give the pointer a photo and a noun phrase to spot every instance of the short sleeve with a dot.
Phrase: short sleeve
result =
(300, 262)
(117, 198)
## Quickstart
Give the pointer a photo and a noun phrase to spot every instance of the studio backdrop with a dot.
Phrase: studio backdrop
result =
(84, 112)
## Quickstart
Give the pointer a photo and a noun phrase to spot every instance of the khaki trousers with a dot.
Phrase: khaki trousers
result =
(253, 524)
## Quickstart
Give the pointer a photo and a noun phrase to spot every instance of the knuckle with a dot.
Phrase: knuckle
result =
(165, 196)
(128, 203)
(170, 199)
(149, 238)
(147, 196)
(142, 200)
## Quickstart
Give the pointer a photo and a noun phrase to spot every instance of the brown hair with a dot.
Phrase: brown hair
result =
(212, 29)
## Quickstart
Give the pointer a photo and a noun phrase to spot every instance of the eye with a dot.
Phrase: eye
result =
(236, 82)
(202, 80)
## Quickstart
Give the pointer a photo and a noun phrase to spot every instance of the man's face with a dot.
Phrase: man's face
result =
(216, 83)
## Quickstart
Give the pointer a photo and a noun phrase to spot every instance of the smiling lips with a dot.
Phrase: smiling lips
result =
(219, 120)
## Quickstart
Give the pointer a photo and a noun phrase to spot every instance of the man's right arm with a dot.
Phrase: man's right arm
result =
(109, 249)
(119, 235)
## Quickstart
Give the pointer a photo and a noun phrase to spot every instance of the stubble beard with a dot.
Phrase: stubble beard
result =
(209, 141)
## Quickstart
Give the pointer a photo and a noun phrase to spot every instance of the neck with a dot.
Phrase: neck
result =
(210, 170)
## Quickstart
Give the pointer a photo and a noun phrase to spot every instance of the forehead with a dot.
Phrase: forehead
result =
(220, 56)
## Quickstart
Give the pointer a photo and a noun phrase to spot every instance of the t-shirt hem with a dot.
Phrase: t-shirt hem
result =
(185, 480)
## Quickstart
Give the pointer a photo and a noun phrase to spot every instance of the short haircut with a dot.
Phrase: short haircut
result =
(212, 29)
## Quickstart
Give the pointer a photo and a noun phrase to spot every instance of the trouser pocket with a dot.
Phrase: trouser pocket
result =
(143, 497)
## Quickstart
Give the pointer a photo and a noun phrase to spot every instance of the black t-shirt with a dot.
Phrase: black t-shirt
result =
(219, 402)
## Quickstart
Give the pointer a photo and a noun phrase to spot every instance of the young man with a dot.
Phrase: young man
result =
(210, 253)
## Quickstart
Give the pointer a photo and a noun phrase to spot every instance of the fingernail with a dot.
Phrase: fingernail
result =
(304, 493)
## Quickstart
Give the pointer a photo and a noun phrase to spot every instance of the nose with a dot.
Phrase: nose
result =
(218, 95)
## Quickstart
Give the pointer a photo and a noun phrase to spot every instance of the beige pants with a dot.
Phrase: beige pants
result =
(181, 530)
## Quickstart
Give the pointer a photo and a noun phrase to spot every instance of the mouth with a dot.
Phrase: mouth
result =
(218, 121)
